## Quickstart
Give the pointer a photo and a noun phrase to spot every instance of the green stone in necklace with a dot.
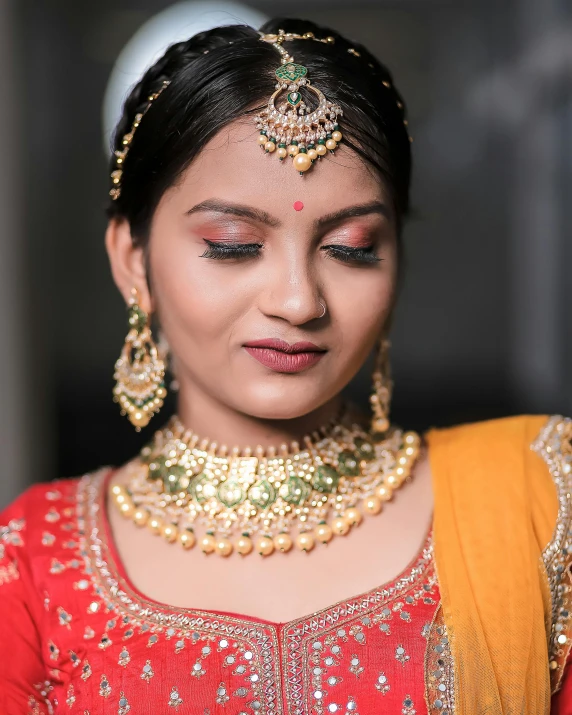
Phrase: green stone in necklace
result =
(265, 500)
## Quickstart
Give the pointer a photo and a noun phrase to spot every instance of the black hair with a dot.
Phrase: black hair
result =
(219, 75)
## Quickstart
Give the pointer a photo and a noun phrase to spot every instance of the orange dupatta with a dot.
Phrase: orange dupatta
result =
(496, 509)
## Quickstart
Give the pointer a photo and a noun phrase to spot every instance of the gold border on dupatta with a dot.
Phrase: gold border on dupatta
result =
(554, 446)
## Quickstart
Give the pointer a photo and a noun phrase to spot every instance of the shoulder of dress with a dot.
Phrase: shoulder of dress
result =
(37, 528)
(516, 431)
(36, 496)
(31, 511)
(43, 503)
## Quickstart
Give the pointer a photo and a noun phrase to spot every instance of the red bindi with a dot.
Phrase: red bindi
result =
(298, 205)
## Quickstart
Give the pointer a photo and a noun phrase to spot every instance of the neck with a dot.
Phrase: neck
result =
(227, 426)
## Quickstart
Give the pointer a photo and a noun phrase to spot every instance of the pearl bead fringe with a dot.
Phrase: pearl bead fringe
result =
(147, 506)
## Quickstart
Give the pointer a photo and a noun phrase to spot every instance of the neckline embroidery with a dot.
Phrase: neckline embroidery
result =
(275, 650)
(112, 584)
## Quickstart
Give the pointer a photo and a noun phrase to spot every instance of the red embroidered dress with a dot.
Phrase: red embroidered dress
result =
(76, 637)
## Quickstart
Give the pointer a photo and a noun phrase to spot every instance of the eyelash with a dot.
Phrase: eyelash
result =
(241, 250)
(230, 250)
(347, 254)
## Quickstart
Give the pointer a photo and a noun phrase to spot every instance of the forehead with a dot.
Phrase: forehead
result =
(232, 166)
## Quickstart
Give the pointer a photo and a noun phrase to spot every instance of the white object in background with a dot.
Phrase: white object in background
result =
(176, 23)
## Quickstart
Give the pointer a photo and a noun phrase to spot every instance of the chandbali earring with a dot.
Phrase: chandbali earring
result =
(380, 398)
(140, 370)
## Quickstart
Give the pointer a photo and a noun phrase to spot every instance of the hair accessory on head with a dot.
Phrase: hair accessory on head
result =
(292, 128)
(120, 154)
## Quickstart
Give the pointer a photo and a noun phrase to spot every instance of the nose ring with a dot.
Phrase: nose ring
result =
(324, 307)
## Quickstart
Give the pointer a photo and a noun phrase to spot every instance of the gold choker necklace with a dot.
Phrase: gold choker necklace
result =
(264, 499)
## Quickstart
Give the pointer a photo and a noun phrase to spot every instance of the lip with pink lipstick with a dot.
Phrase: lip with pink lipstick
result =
(281, 356)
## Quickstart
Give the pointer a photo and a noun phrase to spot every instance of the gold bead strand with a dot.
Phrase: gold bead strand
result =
(121, 154)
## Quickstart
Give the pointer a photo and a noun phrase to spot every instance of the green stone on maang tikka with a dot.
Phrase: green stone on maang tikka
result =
(294, 98)
(348, 464)
(325, 479)
(291, 72)
(294, 491)
(262, 494)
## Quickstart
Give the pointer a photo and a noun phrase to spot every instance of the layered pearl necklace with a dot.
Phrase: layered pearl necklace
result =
(192, 491)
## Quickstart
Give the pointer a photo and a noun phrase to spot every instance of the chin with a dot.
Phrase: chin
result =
(280, 404)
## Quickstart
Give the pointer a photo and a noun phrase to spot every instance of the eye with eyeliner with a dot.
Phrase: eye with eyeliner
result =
(365, 254)
(347, 254)
(228, 249)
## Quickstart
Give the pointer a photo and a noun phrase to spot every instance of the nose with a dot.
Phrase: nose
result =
(292, 290)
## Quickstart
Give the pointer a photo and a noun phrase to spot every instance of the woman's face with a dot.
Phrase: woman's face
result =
(235, 259)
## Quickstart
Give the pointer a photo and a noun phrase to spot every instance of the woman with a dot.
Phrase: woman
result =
(272, 274)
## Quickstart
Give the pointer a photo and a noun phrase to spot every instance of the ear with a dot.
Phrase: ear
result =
(127, 262)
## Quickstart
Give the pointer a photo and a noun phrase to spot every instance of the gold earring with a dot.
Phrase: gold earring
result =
(140, 370)
(380, 399)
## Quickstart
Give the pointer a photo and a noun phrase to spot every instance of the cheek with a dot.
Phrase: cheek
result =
(361, 312)
(186, 284)
(363, 304)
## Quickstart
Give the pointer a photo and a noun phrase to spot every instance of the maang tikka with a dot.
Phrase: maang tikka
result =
(292, 128)
(140, 370)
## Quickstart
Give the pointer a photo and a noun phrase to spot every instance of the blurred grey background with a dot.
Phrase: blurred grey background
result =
(484, 327)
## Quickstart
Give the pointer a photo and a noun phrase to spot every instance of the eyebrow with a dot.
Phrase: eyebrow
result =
(373, 207)
(225, 207)
(255, 214)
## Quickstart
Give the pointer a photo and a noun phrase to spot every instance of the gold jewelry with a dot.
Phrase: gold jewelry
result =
(293, 129)
(264, 500)
(380, 399)
(120, 154)
(139, 371)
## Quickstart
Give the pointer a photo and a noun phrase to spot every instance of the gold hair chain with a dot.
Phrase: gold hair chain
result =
(120, 154)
